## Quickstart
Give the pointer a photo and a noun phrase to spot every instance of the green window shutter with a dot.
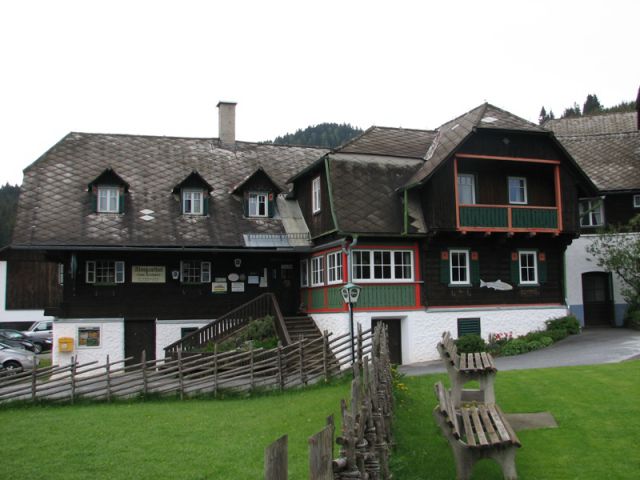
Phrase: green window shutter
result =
(475, 268)
(271, 202)
(444, 267)
(94, 201)
(205, 205)
(121, 202)
(515, 268)
(542, 267)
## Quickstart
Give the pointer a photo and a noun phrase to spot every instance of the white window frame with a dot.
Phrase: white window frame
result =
(317, 271)
(255, 200)
(315, 195)
(108, 200)
(473, 187)
(368, 269)
(304, 273)
(534, 255)
(524, 188)
(334, 268)
(192, 197)
(636, 201)
(92, 268)
(594, 207)
(467, 266)
(203, 271)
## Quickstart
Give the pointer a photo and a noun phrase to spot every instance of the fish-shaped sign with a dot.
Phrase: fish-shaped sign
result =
(497, 285)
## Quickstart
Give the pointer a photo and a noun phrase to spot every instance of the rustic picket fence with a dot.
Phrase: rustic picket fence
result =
(366, 439)
(188, 374)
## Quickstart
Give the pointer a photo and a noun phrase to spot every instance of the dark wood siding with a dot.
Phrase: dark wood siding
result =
(618, 209)
(438, 200)
(494, 257)
(570, 193)
(509, 144)
(321, 222)
(172, 299)
(32, 283)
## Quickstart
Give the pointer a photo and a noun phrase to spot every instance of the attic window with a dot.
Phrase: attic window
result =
(108, 199)
(258, 204)
(192, 202)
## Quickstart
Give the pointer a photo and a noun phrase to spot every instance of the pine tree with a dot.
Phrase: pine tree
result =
(591, 105)
(572, 112)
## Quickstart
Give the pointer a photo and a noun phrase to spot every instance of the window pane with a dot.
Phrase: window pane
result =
(517, 190)
(459, 272)
(466, 189)
(362, 265)
(402, 261)
(528, 267)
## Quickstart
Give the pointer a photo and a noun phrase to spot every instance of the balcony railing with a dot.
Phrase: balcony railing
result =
(508, 218)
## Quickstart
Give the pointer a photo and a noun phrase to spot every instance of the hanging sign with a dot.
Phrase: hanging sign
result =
(148, 274)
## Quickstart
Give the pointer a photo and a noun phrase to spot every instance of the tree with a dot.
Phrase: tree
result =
(591, 105)
(544, 116)
(618, 250)
(328, 135)
(572, 112)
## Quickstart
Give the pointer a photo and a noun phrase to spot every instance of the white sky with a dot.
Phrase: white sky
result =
(160, 67)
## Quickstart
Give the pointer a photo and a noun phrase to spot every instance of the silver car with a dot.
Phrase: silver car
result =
(12, 360)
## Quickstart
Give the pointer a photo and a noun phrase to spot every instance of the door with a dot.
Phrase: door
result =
(139, 335)
(395, 337)
(597, 299)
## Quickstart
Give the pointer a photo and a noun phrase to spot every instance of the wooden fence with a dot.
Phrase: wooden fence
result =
(366, 439)
(188, 374)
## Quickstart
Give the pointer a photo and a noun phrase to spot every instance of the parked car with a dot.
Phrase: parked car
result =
(12, 359)
(41, 333)
(14, 338)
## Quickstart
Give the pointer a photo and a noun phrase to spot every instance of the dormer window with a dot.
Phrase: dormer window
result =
(107, 192)
(315, 195)
(192, 202)
(108, 199)
(258, 204)
(194, 193)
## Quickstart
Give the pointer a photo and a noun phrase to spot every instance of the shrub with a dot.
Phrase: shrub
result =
(633, 319)
(557, 334)
(568, 323)
(515, 347)
(471, 343)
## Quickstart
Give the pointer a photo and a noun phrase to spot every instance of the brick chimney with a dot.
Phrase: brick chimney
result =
(227, 122)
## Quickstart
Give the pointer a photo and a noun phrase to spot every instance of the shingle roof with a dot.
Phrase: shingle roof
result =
(363, 189)
(594, 124)
(54, 207)
(607, 147)
(451, 135)
(397, 142)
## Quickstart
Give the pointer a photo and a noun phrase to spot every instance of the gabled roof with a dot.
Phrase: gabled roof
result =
(453, 133)
(607, 148)
(108, 176)
(194, 179)
(396, 142)
(247, 180)
(55, 210)
(363, 191)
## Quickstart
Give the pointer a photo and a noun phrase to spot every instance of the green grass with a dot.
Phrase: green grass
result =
(597, 409)
(163, 439)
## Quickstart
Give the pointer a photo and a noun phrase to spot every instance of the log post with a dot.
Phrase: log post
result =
(251, 360)
(33, 380)
(360, 345)
(143, 365)
(303, 377)
(73, 378)
(108, 367)
(180, 375)
(280, 368)
(276, 460)
(325, 355)
(215, 370)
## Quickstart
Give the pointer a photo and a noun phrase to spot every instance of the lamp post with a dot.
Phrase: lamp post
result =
(350, 294)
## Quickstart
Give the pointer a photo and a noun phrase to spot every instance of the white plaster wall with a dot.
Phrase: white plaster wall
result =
(168, 331)
(421, 330)
(111, 340)
(27, 316)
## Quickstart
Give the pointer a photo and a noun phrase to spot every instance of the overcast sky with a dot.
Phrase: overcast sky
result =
(159, 68)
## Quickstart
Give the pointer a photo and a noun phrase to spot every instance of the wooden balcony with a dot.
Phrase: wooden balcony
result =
(508, 218)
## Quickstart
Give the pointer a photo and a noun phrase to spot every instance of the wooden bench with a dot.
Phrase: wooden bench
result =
(465, 367)
(476, 432)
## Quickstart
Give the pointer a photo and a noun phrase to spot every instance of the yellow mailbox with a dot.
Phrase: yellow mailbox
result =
(65, 344)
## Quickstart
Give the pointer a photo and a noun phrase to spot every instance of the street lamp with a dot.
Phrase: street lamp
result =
(350, 294)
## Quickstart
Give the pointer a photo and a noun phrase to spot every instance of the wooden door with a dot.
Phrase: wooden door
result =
(395, 337)
(139, 335)
(597, 299)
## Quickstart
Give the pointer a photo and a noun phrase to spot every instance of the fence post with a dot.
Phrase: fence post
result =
(73, 378)
(325, 355)
(215, 370)
(33, 380)
(251, 367)
(108, 379)
(143, 361)
(276, 460)
(280, 369)
(359, 345)
(321, 454)
(180, 377)
(303, 377)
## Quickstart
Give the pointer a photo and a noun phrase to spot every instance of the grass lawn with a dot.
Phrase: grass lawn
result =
(597, 409)
(163, 439)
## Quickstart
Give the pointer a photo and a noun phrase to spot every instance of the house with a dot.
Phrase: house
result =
(607, 148)
(461, 228)
(159, 235)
